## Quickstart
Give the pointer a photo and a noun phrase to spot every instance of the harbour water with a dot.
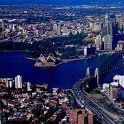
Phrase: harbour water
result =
(64, 76)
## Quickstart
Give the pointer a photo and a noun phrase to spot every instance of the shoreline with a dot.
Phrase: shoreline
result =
(29, 58)
(77, 59)
(64, 61)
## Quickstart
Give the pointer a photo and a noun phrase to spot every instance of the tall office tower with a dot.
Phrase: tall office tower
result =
(109, 28)
(18, 82)
(28, 86)
(120, 23)
(113, 19)
(98, 42)
(106, 19)
(114, 30)
(91, 25)
(114, 24)
(9, 83)
(55, 28)
(107, 42)
(89, 50)
(3, 25)
(59, 29)
(104, 30)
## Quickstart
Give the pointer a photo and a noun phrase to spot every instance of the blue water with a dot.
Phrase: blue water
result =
(64, 76)
(109, 77)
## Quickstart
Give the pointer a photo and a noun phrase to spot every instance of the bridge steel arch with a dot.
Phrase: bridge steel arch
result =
(108, 66)
(78, 88)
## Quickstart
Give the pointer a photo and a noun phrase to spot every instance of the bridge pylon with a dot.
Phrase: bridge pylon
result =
(97, 76)
(88, 72)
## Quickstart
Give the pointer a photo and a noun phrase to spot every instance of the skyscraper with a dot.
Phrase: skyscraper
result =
(55, 28)
(106, 19)
(109, 28)
(59, 29)
(18, 82)
(109, 32)
(107, 42)
(114, 30)
(9, 83)
(119, 22)
(98, 42)
(28, 86)
(105, 25)
(112, 19)
(104, 30)
(3, 25)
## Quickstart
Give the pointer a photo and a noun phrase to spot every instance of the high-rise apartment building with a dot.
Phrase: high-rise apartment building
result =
(18, 82)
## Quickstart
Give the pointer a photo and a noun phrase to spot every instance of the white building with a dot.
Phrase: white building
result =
(85, 51)
(8, 82)
(28, 84)
(118, 79)
(18, 82)
(106, 88)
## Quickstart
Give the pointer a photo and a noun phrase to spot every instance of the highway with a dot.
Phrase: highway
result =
(83, 99)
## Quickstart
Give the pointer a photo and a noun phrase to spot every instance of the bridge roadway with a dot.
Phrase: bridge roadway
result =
(83, 99)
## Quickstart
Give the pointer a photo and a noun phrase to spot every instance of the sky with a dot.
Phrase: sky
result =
(71, 2)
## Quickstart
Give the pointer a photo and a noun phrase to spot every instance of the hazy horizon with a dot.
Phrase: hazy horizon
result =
(65, 2)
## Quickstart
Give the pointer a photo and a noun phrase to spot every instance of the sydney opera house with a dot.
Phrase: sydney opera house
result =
(49, 61)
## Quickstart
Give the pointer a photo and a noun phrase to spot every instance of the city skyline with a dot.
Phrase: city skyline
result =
(61, 62)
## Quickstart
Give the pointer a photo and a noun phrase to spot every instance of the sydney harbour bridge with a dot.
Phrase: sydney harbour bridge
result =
(108, 65)
(95, 80)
